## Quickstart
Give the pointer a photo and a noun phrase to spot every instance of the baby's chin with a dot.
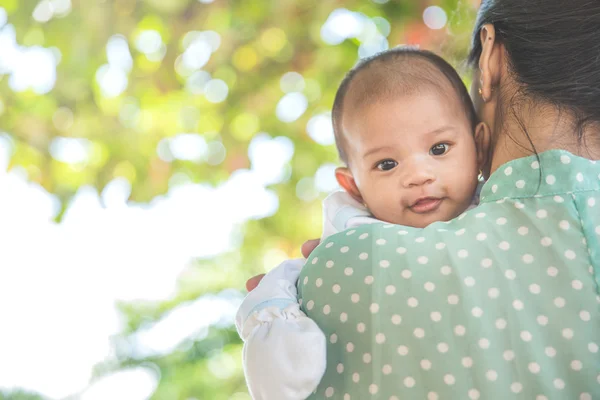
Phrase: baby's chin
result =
(415, 220)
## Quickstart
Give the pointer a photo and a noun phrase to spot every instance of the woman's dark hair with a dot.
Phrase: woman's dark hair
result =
(395, 72)
(553, 49)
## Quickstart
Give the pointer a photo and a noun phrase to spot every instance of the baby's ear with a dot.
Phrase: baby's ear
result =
(347, 182)
(483, 138)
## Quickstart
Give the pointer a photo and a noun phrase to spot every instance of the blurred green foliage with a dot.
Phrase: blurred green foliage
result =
(259, 43)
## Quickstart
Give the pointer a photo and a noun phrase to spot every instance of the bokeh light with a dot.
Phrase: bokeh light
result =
(435, 17)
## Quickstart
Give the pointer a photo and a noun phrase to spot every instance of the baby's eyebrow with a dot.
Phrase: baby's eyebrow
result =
(376, 150)
(440, 130)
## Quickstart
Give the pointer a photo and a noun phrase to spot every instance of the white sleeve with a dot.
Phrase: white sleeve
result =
(341, 211)
(284, 353)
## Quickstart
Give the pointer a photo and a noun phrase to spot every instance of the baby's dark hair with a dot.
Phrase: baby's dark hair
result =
(393, 73)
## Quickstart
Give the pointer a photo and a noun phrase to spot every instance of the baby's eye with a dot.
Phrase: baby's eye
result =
(439, 149)
(386, 165)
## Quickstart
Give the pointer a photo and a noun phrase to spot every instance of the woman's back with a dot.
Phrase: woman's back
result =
(501, 302)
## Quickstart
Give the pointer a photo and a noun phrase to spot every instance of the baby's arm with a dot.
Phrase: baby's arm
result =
(284, 353)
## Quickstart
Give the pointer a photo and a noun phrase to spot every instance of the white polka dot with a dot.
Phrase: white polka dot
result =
(535, 165)
(333, 338)
(534, 367)
(329, 392)
(453, 299)
(422, 260)
(579, 177)
(592, 347)
(559, 199)
(550, 351)
(480, 215)
(390, 289)
(310, 305)
(576, 365)
(349, 347)
(504, 245)
(585, 396)
(474, 394)
(552, 271)
(470, 281)
(305, 280)
(446, 270)
(526, 336)
(344, 249)
(463, 253)
(374, 308)
(381, 242)
(413, 302)
(363, 256)
(481, 236)
(460, 330)
(520, 184)
(406, 274)
(597, 230)
(319, 282)
(467, 362)
(519, 205)
(508, 171)
(510, 274)
(329, 264)
(493, 293)
(355, 298)
(442, 347)
(360, 327)
(336, 288)
(491, 375)
(460, 232)
(419, 333)
(373, 388)
(384, 263)
(449, 379)
(559, 384)
(366, 358)
(363, 236)
(508, 355)
(528, 258)
(440, 246)
(477, 312)
(550, 179)
(494, 188)
(343, 317)
(409, 382)
(426, 365)
(340, 368)
(429, 286)
(534, 288)
(541, 397)
(541, 214)
(420, 239)
(369, 279)
(559, 302)
(565, 159)
(567, 333)
(518, 305)
(542, 320)
(315, 260)
(577, 284)
(431, 396)
(396, 319)
(523, 230)
(486, 263)
(591, 202)
(401, 250)
(402, 232)
(348, 271)
(355, 377)
(500, 323)
(435, 316)
(570, 254)
(328, 245)
(326, 309)
(387, 369)
(352, 232)
(516, 387)
(484, 343)
(402, 350)
(546, 241)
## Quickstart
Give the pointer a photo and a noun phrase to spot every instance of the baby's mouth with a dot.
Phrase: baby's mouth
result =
(426, 205)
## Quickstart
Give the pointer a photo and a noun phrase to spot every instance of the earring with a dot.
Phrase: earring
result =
(481, 94)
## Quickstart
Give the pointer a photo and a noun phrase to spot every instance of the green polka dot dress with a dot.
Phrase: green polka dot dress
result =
(500, 303)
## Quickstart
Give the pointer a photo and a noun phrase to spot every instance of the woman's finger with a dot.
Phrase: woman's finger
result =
(309, 246)
(253, 282)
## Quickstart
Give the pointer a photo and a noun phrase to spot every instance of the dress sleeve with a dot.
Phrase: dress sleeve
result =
(284, 351)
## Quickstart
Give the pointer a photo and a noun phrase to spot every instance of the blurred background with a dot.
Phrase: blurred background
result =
(154, 154)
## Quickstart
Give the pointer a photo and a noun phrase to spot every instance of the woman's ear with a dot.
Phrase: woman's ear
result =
(346, 181)
(483, 138)
(490, 61)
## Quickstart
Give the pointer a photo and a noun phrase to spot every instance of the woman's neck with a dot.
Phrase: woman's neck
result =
(546, 129)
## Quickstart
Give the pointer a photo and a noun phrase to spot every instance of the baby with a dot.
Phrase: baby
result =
(413, 151)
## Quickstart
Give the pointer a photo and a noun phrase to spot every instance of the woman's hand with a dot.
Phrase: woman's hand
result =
(307, 248)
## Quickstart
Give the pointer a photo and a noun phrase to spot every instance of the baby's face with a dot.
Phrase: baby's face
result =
(413, 159)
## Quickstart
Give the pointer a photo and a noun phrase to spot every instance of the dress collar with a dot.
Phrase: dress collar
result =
(550, 173)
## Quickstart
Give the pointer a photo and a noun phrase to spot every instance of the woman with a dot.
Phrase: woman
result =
(503, 301)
